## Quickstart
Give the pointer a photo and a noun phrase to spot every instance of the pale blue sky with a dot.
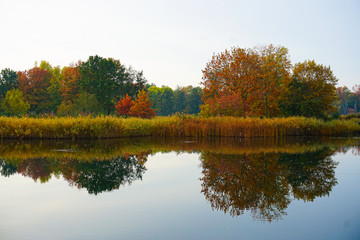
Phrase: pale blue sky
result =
(171, 41)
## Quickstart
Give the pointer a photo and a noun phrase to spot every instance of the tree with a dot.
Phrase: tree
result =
(103, 78)
(134, 82)
(34, 84)
(8, 81)
(311, 92)
(179, 100)
(275, 76)
(66, 108)
(232, 74)
(124, 105)
(193, 100)
(69, 88)
(54, 76)
(163, 100)
(345, 99)
(101, 176)
(311, 174)
(142, 106)
(155, 96)
(14, 103)
(87, 103)
(235, 183)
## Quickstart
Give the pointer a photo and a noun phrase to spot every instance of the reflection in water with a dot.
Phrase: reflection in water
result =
(99, 176)
(96, 176)
(257, 175)
(263, 183)
(311, 174)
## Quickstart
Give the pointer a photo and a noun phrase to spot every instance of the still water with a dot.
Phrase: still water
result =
(180, 189)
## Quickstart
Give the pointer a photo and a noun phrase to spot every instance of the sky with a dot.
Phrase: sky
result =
(171, 41)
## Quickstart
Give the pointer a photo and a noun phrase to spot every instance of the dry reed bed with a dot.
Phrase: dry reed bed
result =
(189, 126)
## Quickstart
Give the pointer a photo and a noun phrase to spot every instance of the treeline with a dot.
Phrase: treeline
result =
(348, 101)
(252, 82)
(91, 87)
(262, 82)
(181, 100)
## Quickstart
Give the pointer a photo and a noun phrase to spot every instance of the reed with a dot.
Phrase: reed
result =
(176, 126)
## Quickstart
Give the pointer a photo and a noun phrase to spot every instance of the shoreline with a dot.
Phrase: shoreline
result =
(106, 127)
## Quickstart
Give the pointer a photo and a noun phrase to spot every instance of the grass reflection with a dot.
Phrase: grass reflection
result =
(258, 175)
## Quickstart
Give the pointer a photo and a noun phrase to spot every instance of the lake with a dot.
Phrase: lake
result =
(144, 188)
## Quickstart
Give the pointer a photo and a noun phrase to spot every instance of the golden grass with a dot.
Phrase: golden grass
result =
(175, 126)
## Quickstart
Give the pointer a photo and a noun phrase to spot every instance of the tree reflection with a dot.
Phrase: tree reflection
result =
(311, 174)
(100, 176)
(263, 183)
(261, 176)
(96, 176)
(7, 169)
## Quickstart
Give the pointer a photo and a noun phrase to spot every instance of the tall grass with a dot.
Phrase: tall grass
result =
(189, 126)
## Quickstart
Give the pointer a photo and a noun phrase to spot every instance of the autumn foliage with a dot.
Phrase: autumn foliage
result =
(246, 82)
(124, 105)
(142, 106)
(34, 83)
(69, 83)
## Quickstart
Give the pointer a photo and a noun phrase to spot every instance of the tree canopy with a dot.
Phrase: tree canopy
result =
(261, 81)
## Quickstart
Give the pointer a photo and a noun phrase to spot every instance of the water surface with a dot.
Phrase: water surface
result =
(180, 189)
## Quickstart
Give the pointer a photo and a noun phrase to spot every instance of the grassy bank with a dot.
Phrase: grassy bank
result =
(113, 127)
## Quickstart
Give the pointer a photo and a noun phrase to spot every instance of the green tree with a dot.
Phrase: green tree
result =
(166, 101)
(8, 81)
(134, 82)
(104, 78)
(163, 100)
(66, 109)
(87, 103)
(193, 100)
(312, 91)
(154, 96)
(14, 103)
(179, 100)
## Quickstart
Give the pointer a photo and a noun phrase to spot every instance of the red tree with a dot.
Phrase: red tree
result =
(124, 105)
(34, 84)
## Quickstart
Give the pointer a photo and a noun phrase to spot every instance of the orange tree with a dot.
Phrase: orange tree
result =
(142, 106)
(124, 105)
(229, 81)
(69, 83)
(246, 82)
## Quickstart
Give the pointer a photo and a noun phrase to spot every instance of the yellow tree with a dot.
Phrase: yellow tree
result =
(14, 103)
(275, 77)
